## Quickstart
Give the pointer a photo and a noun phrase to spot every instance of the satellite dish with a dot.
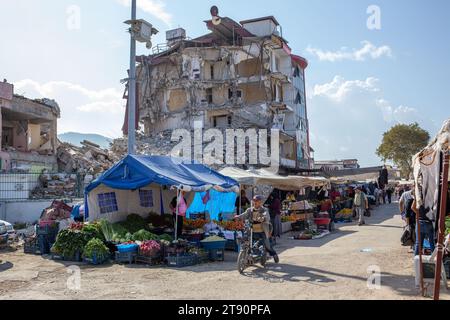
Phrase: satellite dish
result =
(149, 45)
(216, 21)
(214, 11)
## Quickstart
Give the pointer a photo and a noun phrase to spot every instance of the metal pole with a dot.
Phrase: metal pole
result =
(441, 231)
(176, 214)
(132, 88)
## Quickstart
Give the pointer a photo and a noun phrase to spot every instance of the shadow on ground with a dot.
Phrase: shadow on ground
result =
(6, 266)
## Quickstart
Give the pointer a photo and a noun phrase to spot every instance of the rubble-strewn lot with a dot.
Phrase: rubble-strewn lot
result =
(333, 267)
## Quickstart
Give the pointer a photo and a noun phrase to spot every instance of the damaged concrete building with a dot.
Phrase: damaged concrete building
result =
(239, 76)
(29, 132)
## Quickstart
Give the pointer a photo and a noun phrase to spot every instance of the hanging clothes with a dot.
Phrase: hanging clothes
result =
(426, 173)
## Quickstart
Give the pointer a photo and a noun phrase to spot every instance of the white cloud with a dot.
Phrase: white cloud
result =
(82, 109)
(400, 114)
(339, 88)
(348, 118)
(156, 8)
(368, 50)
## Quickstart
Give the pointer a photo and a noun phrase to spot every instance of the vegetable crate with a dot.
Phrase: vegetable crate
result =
(202, 258)
(214, 245)
(216, 255)
(75, 258)
(95, 260)
(152, 261)
(181, 260)
(125, 257)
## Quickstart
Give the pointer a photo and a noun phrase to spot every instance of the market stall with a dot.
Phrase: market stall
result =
(431, 176)
(127, 221)
(295, 215)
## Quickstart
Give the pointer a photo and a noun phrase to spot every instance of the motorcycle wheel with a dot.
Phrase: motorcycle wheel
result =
(242, 261)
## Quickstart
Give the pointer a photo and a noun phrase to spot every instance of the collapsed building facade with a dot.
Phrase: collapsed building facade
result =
(29, 132)
(239, 76)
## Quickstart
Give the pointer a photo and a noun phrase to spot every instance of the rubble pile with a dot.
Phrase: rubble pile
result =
(88, 159)
(56, 186)
(158, 144)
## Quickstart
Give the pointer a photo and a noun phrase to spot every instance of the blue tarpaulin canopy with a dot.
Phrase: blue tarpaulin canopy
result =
(135, 172)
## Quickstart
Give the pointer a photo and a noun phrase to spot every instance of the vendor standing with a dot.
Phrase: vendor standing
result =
(182, 208)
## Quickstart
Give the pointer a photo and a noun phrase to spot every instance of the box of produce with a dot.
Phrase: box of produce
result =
(125, 257)
(216, 255)
(95, 252)
(181, 260)
(214, 242)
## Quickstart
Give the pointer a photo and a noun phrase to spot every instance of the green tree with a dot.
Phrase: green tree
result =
(401, 143)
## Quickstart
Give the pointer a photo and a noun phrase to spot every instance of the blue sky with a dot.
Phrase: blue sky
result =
(359, 81)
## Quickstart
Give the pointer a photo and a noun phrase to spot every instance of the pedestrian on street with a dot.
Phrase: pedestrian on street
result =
(360, 204)
(389, 193)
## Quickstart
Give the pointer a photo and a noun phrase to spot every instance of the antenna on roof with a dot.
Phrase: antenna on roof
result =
(216, 20)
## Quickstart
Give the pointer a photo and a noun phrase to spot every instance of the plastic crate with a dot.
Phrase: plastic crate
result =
(181, 260)
(75, 258)
(216, 255)
(47, 230)
(152, 261)
(128, 248)
(214, 245)
(202, 258)
(125, 257)
(95, 261)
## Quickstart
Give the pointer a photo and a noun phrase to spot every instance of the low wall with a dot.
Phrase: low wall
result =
(24, 211)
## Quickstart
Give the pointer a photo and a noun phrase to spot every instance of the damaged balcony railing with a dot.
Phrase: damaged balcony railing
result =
(36, 186)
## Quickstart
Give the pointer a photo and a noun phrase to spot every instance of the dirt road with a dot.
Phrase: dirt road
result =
(334, 267)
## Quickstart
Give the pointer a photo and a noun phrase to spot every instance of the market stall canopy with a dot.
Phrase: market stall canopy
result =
(440, 143)
(265, 177)
(134, 172)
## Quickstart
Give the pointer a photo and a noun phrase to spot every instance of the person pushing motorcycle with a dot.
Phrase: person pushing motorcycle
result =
(260, 223)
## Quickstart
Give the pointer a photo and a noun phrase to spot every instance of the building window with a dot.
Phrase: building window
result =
(238, 93)
(212, 71)
(107, 202)
(146, 198)
(209, 95)
(296, 72)
(222, 121)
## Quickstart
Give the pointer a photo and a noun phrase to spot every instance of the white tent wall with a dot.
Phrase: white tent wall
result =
(128, 202)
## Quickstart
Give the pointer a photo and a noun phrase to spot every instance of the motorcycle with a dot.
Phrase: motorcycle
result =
(252, 250)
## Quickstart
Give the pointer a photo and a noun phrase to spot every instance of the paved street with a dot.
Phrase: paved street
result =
(334, 267)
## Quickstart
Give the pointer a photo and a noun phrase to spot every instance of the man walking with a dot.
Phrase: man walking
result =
(360, 204)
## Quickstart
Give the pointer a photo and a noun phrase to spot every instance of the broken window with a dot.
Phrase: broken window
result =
(209, 95)
(7, 137)
(238, 93)
(212, 72)
(222, 121)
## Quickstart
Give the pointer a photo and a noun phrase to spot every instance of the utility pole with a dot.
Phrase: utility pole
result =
(142, 31)
(132, 87)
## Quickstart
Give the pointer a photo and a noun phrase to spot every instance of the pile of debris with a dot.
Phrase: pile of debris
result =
(88, 159)
(158, 144)
(57, 186)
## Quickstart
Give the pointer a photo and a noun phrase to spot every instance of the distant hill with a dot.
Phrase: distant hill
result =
(76, 138)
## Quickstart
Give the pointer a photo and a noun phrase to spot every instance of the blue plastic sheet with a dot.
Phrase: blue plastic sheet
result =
(219, 202)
